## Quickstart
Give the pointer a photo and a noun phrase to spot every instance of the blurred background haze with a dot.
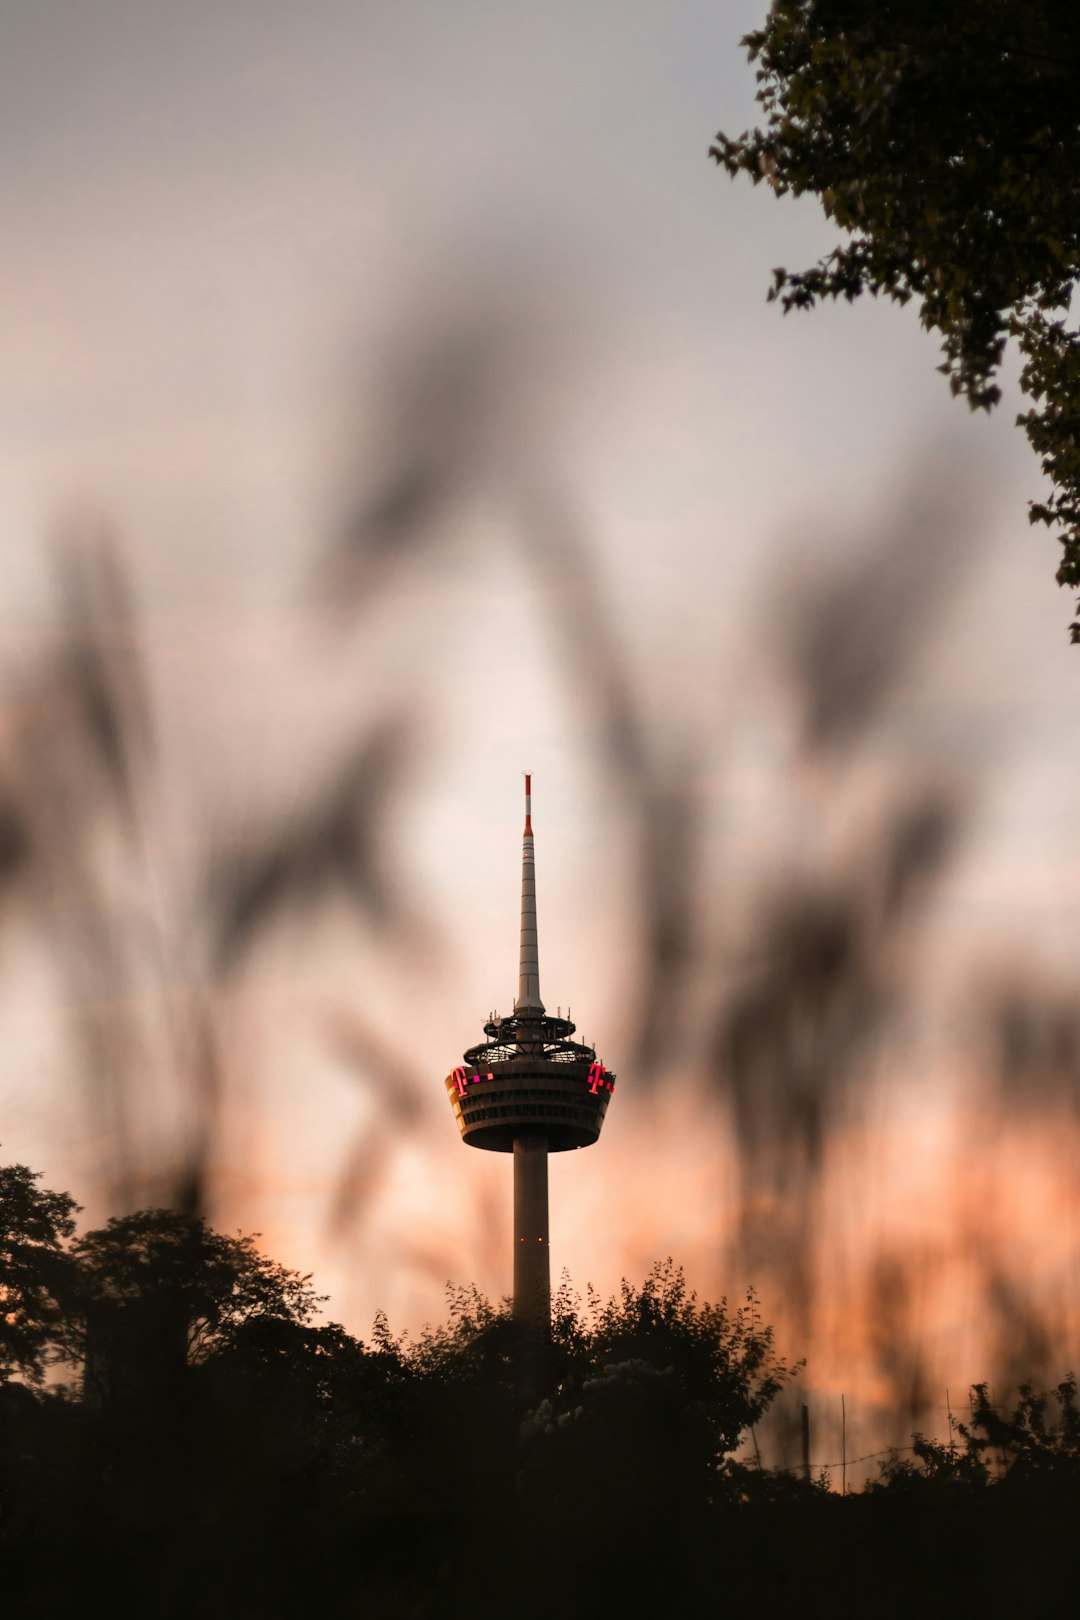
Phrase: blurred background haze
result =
(390, 404)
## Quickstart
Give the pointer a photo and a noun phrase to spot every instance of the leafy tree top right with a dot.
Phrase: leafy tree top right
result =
(943, 138)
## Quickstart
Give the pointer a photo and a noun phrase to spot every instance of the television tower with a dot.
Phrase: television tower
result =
(530, 1090)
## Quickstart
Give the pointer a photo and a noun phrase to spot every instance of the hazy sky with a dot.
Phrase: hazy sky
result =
(229, 232)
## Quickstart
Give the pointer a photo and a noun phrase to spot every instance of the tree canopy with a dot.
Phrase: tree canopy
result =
(35, 1272)
(174, 1278)
(225, 1454)
(943, 138)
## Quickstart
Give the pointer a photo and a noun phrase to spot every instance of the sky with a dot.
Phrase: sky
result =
(267, 267)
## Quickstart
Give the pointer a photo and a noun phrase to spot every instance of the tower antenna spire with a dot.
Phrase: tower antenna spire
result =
(528, 996)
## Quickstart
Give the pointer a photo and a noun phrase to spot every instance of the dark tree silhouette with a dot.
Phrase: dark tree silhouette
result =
(653, 1385)
(159, 1292)
(228, 1455)
(35, 1271)
(943, 138)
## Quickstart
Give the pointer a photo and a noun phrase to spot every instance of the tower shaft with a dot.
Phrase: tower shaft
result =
(530, 1089)
(532, 1259)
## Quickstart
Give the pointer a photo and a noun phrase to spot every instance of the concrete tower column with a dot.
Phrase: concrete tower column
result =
(532, 1259)
(530, 1089)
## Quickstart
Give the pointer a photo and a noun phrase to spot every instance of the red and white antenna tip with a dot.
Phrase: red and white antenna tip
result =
(528, 804)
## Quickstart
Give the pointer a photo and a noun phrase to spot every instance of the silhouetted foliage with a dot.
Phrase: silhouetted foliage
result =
(1026, 1445)
(158, 1288)
(943, 138)
(35, 1271)
(226, 1454)
(722, 1361)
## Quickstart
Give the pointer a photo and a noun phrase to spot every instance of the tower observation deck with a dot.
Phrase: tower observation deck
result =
(530, 1089)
